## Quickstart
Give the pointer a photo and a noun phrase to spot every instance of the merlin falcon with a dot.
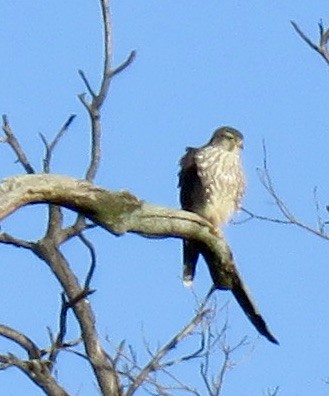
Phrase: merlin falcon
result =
(212, 184)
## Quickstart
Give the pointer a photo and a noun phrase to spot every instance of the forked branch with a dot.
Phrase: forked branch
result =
(322, 46)
(287, 217)
(121, 212)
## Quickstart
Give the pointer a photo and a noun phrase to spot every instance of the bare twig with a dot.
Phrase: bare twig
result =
(58, 342)
(154, 363)
(322, 47)
(105, 84)
(119, 351)
(92, 267)
(132, 371)
(210, 342)
(98, 99)
(55, 218)
(294, 222)
(66, 345)
(87, 84)
(272, 392)
(320, 222)
(214, 384)
(253, 215)
(14, 144)
(51, 146)
(288, 217)
(267, 183)
(124, 65)
(177, 385)
(303, 36)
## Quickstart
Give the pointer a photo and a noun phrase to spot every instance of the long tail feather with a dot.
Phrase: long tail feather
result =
(190, 257)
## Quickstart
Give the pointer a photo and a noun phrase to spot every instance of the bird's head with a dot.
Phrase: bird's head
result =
(227, 137)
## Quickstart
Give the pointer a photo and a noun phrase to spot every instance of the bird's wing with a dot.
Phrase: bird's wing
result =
(191, 195)
(192, 192)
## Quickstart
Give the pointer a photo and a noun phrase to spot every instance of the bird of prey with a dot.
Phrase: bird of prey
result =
(212, 184)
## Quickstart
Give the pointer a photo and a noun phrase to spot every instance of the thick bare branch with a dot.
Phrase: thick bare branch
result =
(30, 347)
(47, 250)
(117, 212)
(121, 212)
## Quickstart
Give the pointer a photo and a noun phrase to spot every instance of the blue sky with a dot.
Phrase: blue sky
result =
(198, 67)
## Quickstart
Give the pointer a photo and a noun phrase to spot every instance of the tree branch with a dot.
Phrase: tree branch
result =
(38, 372)
(124, 65)
(47, 250)
(35, 368)
(99, 98)
(121, 212)
(30, 347)
(106, 78)
(14, 144)
(55, 215)
(50, 147)
(57, 343)
(92, 267)
(288, 216)
(320, 48)
(117, 212)
(10, 240)
(154, 364)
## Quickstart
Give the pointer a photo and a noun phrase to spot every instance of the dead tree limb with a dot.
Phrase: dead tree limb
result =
(121, 212)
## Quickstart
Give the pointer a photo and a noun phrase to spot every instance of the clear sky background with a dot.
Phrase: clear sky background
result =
(199, 65)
